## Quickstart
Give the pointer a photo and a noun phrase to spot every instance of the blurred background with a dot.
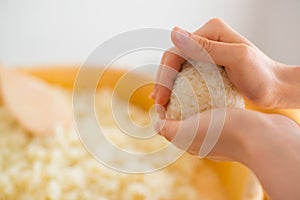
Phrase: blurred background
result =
(37, 32)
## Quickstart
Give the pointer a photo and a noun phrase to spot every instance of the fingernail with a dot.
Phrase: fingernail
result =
(180, 34)
(158, 126)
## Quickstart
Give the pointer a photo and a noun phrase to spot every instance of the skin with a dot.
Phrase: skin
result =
(269, 144)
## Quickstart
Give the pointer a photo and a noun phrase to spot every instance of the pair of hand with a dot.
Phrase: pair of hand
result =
(260, 141)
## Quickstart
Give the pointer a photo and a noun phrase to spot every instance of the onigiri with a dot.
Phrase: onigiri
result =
(199, 87)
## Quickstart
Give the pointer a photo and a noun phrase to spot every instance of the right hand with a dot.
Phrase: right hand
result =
(250, 70)
(268, 144)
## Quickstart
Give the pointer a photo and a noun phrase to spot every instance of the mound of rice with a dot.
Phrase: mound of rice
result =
(199, 87)
(58, 167)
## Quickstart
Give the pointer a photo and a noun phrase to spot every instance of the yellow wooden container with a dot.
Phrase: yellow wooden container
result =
(239, 182)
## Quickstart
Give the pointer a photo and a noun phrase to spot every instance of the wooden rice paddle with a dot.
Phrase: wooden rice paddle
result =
(37, 106)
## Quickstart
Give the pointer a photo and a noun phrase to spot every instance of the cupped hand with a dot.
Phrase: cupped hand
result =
(269, 144)
(250, 70)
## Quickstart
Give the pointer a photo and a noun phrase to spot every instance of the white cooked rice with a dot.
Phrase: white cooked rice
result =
(58, 167)
(198, 87)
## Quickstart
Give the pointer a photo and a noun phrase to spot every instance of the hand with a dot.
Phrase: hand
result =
(259, 141)
(269, 144)
(257, 77)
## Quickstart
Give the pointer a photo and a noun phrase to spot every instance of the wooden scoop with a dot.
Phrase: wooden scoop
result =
(37, 106)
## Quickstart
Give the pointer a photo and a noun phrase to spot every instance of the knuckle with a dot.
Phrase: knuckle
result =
(168, 130)
(164, 128)
(205, 44)
(165, 131)
(243, 51)
(171, 54)
(215, 22)
(165, 55)
(168, 53)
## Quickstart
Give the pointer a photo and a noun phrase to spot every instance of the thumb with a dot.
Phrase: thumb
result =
(167, 128)
(183, 134)
(202, 49)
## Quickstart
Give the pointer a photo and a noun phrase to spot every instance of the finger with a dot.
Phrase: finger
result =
(186, 135)
(161, 111)
(167, 128)
(197, 132)
(170, 64)
(164, 61)
(202, 49)
(217, 30)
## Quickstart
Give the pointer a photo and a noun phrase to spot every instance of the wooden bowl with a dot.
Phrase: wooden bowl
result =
(239, 182)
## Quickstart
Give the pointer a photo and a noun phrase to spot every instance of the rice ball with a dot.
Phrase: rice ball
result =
(199, 87)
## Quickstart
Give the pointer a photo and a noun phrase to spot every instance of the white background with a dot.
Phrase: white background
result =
(65, 32)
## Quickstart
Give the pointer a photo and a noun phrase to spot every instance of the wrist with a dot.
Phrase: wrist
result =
(287, 93)
(237, 140)
(251, 135)
(271, 153)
